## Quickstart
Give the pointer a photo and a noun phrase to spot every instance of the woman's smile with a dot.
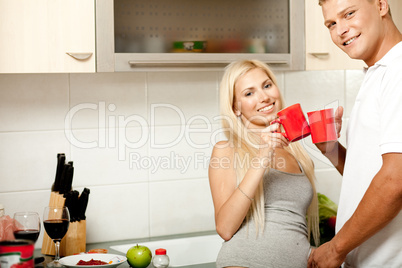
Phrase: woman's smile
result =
(267, 109)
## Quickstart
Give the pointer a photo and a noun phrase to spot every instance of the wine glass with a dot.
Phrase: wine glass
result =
(26, 225)
(56, 221)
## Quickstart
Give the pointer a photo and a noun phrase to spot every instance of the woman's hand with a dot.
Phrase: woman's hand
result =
(271, 138)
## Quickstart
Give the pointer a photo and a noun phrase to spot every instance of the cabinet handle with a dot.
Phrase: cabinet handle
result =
(134, 63)
(320, 55)
(80, 56)
(174, 64)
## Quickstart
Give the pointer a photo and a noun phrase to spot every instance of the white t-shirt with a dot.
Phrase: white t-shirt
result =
(375, 128)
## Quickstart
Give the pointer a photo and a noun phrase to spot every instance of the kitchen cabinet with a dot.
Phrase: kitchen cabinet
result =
(321, 52)
(141, 35)
(47, 36)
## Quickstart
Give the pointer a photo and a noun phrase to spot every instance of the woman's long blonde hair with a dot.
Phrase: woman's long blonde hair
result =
(245, 142)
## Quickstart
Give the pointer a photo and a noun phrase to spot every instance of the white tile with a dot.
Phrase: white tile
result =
(329, 183)
(180, 152)
(27, 201)
(181, 207)
(118, 212)
(28, 160)
(33, 101)
(354, 79)
(98, 99)
(280, 79)
(219, 75)
(104, 159)
(176, 97)
(315, 90)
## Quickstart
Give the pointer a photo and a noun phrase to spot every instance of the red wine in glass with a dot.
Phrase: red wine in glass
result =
(56, 229)
(56, 221)
(26, 234)
(26, 225)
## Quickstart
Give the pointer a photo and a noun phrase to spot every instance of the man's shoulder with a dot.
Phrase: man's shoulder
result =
(394, 68)
(395, 60)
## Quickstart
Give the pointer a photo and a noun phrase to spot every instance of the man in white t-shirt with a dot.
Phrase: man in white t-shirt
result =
(369, 221)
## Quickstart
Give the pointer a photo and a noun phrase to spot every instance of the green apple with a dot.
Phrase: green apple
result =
(139, 256)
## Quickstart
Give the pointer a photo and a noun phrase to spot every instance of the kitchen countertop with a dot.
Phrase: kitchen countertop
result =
(107, 245)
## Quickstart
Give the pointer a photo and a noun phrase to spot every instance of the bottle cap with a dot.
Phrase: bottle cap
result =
(160, 251)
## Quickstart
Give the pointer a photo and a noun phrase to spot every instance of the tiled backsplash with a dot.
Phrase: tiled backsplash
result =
(139, 141)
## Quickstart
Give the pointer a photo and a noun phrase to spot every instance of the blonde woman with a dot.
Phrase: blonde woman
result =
(262, 186)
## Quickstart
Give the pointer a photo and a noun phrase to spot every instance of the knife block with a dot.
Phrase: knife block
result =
(73, 242)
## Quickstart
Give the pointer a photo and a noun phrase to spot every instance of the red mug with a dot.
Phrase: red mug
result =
(294, 123)
(322, 125)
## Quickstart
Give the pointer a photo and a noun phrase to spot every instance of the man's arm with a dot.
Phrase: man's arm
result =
(336, 155)
(380, 204)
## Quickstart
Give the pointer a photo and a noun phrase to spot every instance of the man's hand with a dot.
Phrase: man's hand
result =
(338, 120)
(325, 256)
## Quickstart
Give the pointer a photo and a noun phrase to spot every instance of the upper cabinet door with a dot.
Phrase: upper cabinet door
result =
(321, 52)
(158, 35)
(47, 36)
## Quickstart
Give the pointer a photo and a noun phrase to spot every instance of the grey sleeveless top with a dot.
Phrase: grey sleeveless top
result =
(284, 241)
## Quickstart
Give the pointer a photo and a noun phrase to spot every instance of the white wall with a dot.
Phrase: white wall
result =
(113, 125)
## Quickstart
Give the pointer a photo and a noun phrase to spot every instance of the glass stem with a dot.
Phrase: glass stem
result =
(57, 254)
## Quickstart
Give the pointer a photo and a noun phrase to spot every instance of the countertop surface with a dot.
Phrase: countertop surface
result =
(107, 245)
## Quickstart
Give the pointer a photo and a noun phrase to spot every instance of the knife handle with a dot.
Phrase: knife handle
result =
(74, 206)
(83, 203)
(66, 180)
(61, 158)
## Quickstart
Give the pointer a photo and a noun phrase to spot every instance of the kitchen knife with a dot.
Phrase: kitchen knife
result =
(74, 206)
(63, 179)
(83, 203)
(61, 158)
(68, 180)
